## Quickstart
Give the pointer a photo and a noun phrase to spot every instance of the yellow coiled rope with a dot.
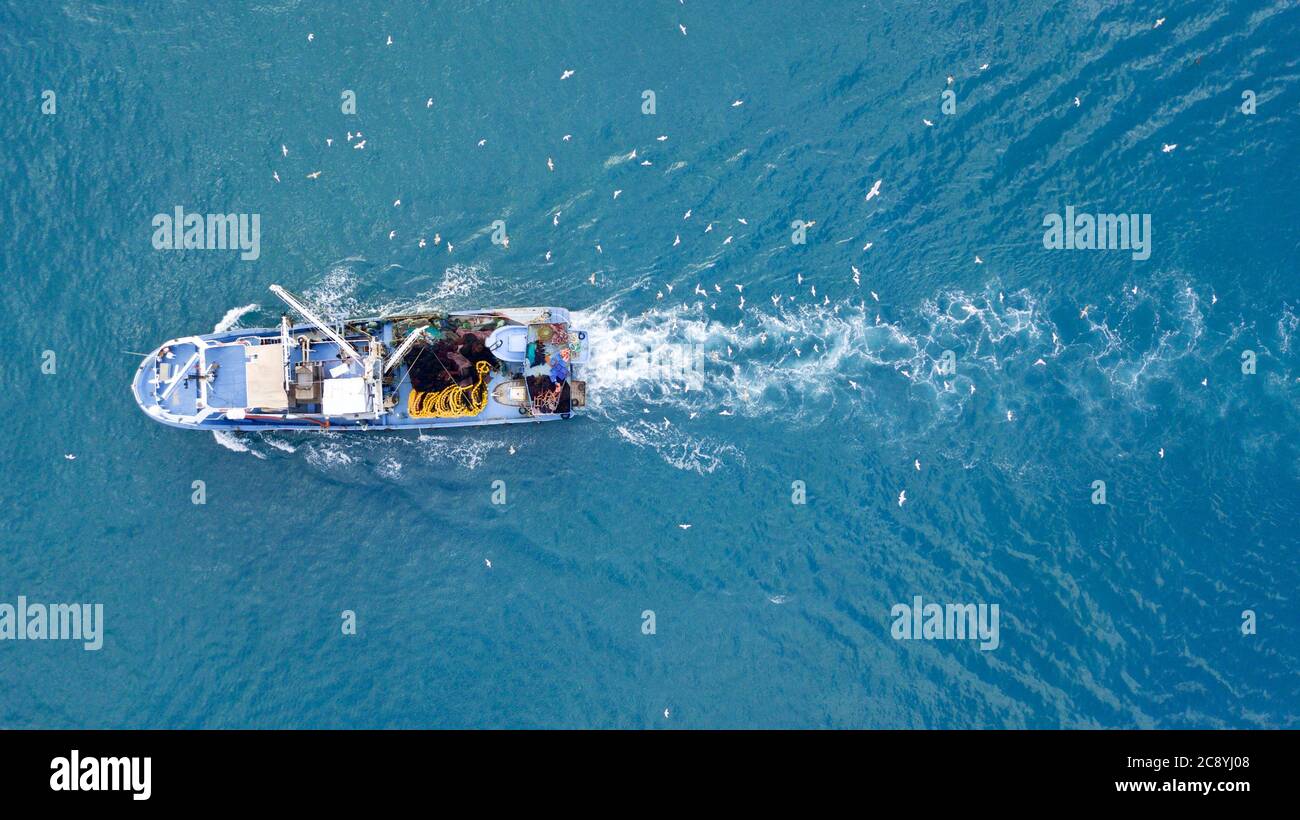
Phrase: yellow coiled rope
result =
(453, 401)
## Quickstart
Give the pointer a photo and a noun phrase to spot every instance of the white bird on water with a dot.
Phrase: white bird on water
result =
(568, 72)
(550, 164)
(1076, 102)
(397, 203)
(875, 191)
(857, 275)
(329, 141)
(1159, 22)
(737, 103)
(566, 137)
(685, 526)
(978, 261)
(422, 243)
(902, 498)
(917, 464)
(1162, 452)
(310, 36)
(313, 175)
(677, 240)
(390, 40)
(683, 28)
(928, 124)
(428, 103)
(662, 137)
(488, 562)
(69, 456)
(360, 145)
(1168, 147)
(275, 175)
(616, 193)
(284, 149)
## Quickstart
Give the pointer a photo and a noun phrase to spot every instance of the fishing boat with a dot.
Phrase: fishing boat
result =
(409, 371)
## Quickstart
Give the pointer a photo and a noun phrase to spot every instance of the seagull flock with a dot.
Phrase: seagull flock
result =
(358, 142)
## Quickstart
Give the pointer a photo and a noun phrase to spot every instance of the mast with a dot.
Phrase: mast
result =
(310, 315)
(404, 348)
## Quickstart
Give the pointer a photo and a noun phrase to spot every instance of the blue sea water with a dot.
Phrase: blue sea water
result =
(767, 613)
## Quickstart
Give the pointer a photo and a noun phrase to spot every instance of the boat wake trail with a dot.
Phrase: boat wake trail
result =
(983, 357)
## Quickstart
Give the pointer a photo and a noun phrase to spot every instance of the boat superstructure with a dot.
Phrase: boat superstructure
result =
(434, 369)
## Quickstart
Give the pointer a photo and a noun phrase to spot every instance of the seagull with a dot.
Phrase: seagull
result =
(568, 72)
(984, 67)
(743, 221)
(685, 527)
(617, 192)
(727, 241)
(1160, 22)
(1040, 363)
(391, 234)
(592, 279)
(69, 456)
(313, 175)
(666, 711)
(1011, 416)
(1168, 147)
(1205, 382)
(737, 103)
(645, 162)
(275, 175)
(854, 385)
(566, 137)
(1076, 102)
(481, 143)
(390, 40)
(677, 240)
(875, 190)
(662, 137)
(550, 164)
(1162, 452)
(428, 103)
(512, 449)
(683, 28)
(1083, 314)
(709, 228)
(437, 237)
(329, 141)
(422, 242)
(928, 124)
(555, 220)
(548, 256)
(902, 498)
(917, 464)
(867, 246)
(949, 79)
(978, 261)
(310, 36)
(350, 136)
(360, 145)
(874, 296)
(284, 150)
(397, 202)
(857, 275)
(488, 562)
